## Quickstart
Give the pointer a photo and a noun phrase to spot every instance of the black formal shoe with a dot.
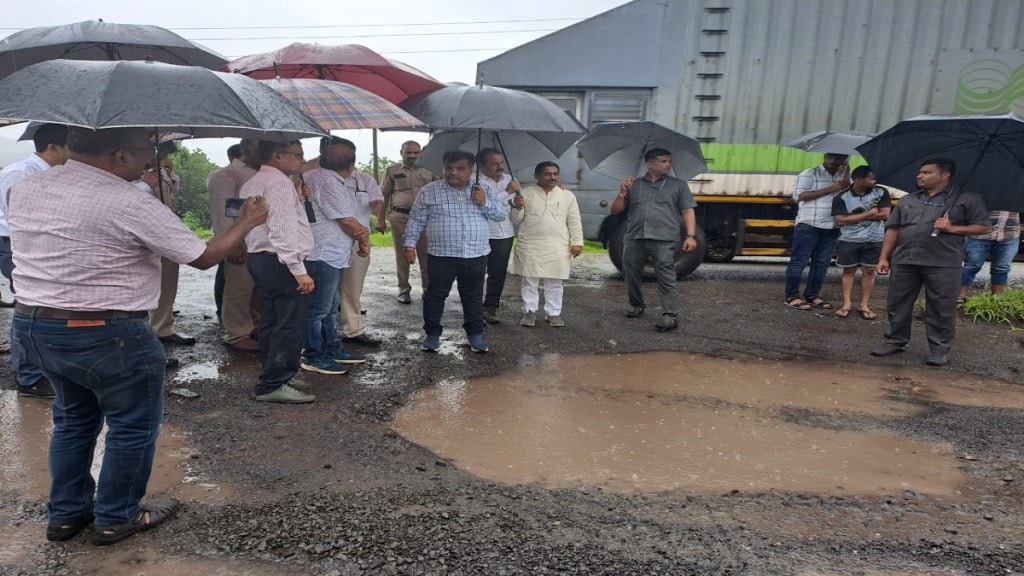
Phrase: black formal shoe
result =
(41, 389)
(177, 339)
(404, 298)
(173, 363)
(362, 340)
(635, 312)
(937, 360)
(887, 349)
(667, 322)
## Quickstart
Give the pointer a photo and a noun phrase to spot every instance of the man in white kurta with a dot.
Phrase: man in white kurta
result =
(550, 235)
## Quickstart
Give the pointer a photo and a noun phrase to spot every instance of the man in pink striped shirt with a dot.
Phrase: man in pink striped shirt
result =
(277, 253)
(87, 246)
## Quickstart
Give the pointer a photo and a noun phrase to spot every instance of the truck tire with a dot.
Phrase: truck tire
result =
(686, 262)
(719, 254)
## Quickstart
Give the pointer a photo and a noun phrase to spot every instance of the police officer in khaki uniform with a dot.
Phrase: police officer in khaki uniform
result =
(402, 182)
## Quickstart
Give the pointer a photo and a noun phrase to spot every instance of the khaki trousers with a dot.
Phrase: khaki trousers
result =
(351, 290)
(162, 319)
(239, 311)
(398, 222)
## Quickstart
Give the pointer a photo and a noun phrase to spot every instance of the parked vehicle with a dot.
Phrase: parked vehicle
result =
(743, 77)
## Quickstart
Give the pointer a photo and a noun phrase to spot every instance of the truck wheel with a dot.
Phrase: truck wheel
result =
(686, 262)
(719, 254)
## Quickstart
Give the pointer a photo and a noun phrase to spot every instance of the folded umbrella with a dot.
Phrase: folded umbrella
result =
(617, 149)
(826, 142)
(186, 99)
(988, 151)
(99, 40)
(340, 106)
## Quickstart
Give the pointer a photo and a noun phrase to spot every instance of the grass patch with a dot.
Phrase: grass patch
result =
(1006, 308)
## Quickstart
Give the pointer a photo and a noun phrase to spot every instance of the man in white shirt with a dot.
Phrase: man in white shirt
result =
(815, 233)
(51, 150)
(493, 176)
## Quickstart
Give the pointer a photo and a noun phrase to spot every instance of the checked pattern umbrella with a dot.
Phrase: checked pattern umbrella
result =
(341, 106)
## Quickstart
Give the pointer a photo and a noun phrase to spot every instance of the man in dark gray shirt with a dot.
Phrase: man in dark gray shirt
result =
(924, 237)
(659, 211)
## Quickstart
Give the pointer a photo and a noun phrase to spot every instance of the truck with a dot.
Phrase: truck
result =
(744, 76)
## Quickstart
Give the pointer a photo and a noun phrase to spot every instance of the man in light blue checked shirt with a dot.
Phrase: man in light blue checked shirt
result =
(454, 213)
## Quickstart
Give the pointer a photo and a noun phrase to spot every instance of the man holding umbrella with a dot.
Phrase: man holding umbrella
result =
(87, 253)
(658, 207)
(924, 245)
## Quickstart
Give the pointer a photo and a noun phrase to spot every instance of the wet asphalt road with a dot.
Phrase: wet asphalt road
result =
(330, 489)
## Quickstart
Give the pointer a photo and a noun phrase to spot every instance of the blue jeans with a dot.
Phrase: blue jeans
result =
(322, 331)
(1001, 252)
(443, 273)
(112, 372)
(283, 317)
(25, 373)
(814, 245)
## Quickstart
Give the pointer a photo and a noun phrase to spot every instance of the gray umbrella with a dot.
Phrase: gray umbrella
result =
(617, 149)
(185, 99)
(830, 142)
(490, 108)
(521, 149)
(99, 40)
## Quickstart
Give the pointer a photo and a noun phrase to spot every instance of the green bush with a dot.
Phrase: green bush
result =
(1006, 308)
(194, 223)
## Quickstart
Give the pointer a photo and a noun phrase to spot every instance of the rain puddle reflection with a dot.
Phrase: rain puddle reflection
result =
(662, 421)
(25, 430)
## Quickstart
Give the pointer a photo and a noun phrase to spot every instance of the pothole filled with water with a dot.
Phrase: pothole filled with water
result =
(667, 421)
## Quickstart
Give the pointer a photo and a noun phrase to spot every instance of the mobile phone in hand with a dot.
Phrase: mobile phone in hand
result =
(233, 207)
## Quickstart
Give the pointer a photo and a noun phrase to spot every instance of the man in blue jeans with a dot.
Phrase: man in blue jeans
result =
(454, 213)
(815, 233)
(334, 232)
(51, 150)
(1001, 244)
(87, 264)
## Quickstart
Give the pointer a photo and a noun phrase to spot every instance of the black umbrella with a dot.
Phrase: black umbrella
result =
(489, 108)
(185, 99)
(988, 151)
(617, 149)
(521, 149)
(99, 40)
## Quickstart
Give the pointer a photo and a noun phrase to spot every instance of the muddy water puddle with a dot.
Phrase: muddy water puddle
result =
(664, 421)
(25, 430)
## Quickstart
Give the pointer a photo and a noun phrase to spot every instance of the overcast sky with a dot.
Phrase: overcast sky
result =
(444, 38)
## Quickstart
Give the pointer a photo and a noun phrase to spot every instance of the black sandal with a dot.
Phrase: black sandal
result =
(62, 532)
(104, 535)
(798, 303)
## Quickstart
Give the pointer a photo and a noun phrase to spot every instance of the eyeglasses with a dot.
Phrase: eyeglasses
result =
(299, 155)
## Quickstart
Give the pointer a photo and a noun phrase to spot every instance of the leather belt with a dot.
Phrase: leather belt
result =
(58, 314)
(400, 210)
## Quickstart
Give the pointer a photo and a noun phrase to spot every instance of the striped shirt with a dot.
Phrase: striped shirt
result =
(817, 212)
(456, 227)
(85, 239)
(286, 232)
(332, 200)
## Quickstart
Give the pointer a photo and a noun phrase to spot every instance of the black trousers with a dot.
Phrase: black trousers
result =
(469, 272)
(497, 269)
(284, 315)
